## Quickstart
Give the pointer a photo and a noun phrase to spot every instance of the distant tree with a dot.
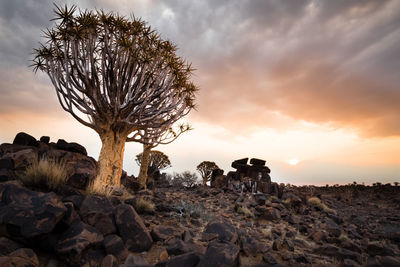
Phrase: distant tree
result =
(186, 179)
(157, 161)
(116, 76)
(154, 137)
(396, 183)
(205, 169)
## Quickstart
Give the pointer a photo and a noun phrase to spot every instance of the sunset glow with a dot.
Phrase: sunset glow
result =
(311, 87)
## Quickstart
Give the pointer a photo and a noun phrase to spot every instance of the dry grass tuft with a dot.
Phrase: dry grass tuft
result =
(316, 202)
(142, 205)
(245, 211)
(50, 175)
(97, 188)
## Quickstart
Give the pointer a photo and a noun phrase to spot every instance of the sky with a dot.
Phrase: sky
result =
(312, 87)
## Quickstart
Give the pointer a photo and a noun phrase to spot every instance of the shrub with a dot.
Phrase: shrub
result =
(142, 205)
(185, 179)
(245, 211)
(44, 174)
(316, 202)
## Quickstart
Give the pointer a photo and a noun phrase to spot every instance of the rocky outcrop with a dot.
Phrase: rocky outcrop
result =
(27, 214)
(97, 211)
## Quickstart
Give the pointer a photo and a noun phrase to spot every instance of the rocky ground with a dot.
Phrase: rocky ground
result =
(350, 225)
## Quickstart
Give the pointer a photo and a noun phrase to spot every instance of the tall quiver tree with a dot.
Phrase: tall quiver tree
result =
(116, 76)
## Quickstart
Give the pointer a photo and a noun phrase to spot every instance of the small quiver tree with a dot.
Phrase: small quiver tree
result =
(205, 169)
(157, 161)
(116, 76)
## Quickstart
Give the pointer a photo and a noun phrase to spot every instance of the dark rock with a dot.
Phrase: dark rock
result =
(260, 199)
(349, 263)
(187, 236)
(7, 163)
(179, 247)
(377, 248)
(5, 175)
(225, 231)
(71, 216)
(20, 257)
(22, 158)
(114, 245)
(269, 258)
(97, 211)
(188, 260)
(339, 253)
(257, 162)
(319, 236)
(93, 257)
(220, 254)
(27, 214)
(250, 246)
(130, 182)
(293, 219)
(135, 261)
(132, 229)
(76, 239)
(45, 139)
(161, 232)
(7, 246)
(109, 261)
(71, 147)
(268, 213)
(75, 199)
(24, 139)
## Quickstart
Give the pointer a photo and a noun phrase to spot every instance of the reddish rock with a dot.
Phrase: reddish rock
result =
(23, 257)
(97, 211)
(188, 260)
(132, 229)
(220, 254)
(225, 231)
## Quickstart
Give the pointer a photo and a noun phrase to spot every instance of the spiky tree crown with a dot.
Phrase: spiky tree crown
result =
(114, 73)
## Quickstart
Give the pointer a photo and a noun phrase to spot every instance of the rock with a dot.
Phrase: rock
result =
(27, 214)
(162, 233)
(377, 248)
(92, 257)
(7, 246)
(5, 175)
(339, 253)
(71, 216)
(319, 236)
(225, 231)
(220, 254)
(71, 147)
(7, 163)
(269, 258)
(257, 162)
(23, 257)
(97, 211)
(77, 200)
(82, 170)
(268, 213)
(188, 260)
(22, 158)
(179, 247)
(109, 261)
(135, 261)
(130, 182)
(114, 245)
(76, 239)
(349, 263)
(132, 229)
(250, 246)
(45, 139)
(24, 139)
(260, 199)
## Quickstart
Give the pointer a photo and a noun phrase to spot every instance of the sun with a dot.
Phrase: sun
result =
(293, 161)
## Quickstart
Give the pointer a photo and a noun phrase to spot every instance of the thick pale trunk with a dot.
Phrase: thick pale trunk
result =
(144, 166)
(111, 159)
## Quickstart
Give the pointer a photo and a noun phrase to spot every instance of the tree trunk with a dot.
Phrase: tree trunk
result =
(144, 165)
(205, 178)
(111, 159)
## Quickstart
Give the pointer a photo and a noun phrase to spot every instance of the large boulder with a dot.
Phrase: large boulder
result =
(132, 229)
(23, 257)
(76, 239)
(115, 246)
(25, 140)
(188, 260)
(21, 158)
(225, 231)
(81, 169)
(27, 214)
(71, 147)
(97, 211)
(221, 254)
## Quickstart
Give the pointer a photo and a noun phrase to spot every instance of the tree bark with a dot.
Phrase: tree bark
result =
(144, 166)
(111, 158)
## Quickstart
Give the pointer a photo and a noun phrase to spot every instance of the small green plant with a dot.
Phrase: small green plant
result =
(316, 202)
(143, 205)
(44, 174)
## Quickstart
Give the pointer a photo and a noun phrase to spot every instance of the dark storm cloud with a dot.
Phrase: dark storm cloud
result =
(326, 61)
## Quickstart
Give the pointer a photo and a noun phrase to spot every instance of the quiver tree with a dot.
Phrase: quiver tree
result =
(116, 76)
(205, 169)
(152, 137)
(157, 161)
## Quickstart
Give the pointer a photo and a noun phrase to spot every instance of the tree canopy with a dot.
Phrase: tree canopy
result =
(205, 169)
